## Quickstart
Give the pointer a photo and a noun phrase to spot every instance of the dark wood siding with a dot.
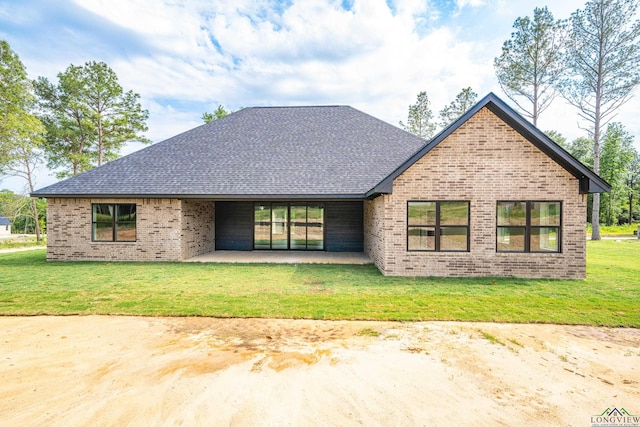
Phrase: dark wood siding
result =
(344, 226)
(234, 226)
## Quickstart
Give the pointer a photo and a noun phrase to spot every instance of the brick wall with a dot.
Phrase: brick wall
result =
(374, 230)
(483, 161)
(158, 231)
(198, 231)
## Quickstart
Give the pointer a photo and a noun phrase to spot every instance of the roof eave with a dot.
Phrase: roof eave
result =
(257, 197)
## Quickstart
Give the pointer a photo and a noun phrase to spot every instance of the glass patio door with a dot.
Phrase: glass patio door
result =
(315, 227)
(282, 226)
(279, 227)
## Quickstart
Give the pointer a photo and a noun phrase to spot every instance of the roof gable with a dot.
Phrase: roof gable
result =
(590, 182)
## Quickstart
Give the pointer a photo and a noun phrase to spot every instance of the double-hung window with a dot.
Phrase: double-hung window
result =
(529, 226)
(113, 222)
(437, 226)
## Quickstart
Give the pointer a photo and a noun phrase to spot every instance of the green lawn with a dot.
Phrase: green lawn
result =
(21, 242)
(610, 296)
(615, 230)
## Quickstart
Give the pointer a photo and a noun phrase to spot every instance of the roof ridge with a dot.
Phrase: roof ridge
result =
(300, 106)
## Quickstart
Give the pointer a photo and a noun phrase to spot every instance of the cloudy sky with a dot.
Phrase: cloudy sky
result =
(187, 57)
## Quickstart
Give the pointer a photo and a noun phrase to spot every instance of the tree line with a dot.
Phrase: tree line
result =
(74, 123)
(592, 60)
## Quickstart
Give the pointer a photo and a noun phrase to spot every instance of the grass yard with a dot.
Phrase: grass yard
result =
(610, 296)
(21, 241)
(615, 230)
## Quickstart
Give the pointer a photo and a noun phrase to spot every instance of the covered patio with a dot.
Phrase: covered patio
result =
(283, 257)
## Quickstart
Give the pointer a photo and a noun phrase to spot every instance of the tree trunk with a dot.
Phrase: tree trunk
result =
(34, 207)
(100, 142)
(595, 214)
(631, 208)
(595, 217)
(535, 103)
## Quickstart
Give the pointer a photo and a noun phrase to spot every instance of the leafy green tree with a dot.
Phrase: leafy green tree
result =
(219, 113)
(88, 116)
(464, 100)
(420, 118)
(558, 138)
(633, 185)
(14, 206)
(603, 63)
(70, 134)
(531, 61)
(20, 131)
(582, 149)
(19, 210)
(616, 157)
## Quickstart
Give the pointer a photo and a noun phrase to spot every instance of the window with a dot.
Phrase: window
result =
(288, 226)
(438, 226)
(113, 222)
(528, 226)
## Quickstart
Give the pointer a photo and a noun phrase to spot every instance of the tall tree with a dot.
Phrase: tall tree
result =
(20, 131)
(70, 134)
(531, 61)
(633, 183)
(603, 60)
(558, 138)
(218, 113)
(582, 149)
(616, 157)
(420, 118)
(88, 116)
(19, 209)
(464, 100)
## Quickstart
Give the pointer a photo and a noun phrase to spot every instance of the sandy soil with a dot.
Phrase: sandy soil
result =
(65, 371)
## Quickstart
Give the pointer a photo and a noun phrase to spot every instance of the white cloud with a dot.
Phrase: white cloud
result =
(185, 58)
(472, 3)
(311, 52)
(168, 121)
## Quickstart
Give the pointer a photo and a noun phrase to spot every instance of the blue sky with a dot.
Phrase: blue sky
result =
(187, 57)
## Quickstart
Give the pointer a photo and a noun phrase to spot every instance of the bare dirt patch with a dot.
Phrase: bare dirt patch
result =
(99, 370)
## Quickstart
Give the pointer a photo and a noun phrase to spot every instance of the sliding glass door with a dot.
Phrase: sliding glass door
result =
(282, 226)
(298, 237)
(279, 227)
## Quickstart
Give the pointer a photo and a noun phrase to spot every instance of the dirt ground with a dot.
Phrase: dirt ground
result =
(99, 370)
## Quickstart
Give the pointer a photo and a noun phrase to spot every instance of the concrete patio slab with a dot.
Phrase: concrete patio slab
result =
(283, 257)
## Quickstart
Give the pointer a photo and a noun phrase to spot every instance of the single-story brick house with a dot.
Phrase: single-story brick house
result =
(490, 195)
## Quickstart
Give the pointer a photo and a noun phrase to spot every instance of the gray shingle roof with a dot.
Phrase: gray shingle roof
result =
(331, 151)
